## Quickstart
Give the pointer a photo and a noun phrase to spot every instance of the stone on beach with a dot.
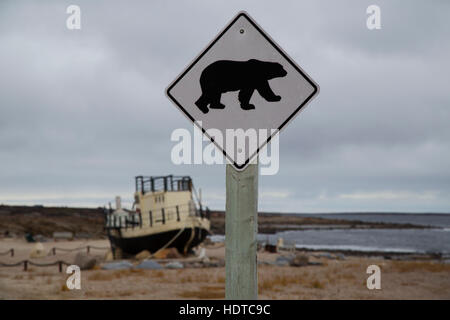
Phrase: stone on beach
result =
(84, 261)
(299, 260)
(149, 264)
(174, 265)
(283, 261)
(38, 251)
(121, 265)
(326, 255)
(168, 253)
(108, 256)
(145, 254)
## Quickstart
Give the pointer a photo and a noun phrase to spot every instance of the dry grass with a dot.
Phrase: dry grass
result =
(129, 272)
(186, 279)
(44, 274)
(128, 293)
(274, 283)
(117, 274)
(413, 266)
(159, 274)
(316, 284)
(101, 276)
(64, 288)
(278, 280)
(205, 292)
(347, 276)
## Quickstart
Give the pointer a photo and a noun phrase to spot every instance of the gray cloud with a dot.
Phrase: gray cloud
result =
(83, 112)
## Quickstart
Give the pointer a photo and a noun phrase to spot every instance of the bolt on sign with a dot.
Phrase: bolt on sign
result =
(242, 90)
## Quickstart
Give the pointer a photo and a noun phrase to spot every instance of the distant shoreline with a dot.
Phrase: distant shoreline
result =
(270, 223)
(44, 220)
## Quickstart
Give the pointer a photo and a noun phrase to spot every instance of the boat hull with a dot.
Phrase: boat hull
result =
(153, 242)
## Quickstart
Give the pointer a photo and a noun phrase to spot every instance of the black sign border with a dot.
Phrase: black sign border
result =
(288, 59)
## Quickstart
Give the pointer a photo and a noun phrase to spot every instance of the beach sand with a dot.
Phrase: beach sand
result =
(334, 279)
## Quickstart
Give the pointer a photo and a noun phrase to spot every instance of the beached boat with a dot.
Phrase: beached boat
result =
(167, 214)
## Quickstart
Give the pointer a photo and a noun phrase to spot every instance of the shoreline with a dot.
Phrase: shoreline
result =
(41, 220)
(271, 223)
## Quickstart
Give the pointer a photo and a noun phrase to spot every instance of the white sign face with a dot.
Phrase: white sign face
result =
(242, 80)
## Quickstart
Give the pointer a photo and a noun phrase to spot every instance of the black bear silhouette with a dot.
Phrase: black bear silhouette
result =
(246, 76)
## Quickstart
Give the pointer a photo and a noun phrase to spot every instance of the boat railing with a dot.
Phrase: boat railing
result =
(153, 217)
(146, 184)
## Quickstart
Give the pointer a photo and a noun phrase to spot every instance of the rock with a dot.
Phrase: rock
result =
(284, 258)
(325, 255)
(340, 256)
(121, 265)
(84, 261)
(299, 260)
(211, 265)
(149, 264)
(109, 256)
(173, 254)
(174, 265)
(197, 265)
(143, 255)
(283, 261)
(221, 263)
(29, 237)
(201, 253)
(64, 235)
(38, 251)
(40, 238)
(205, 259)
(168, 253)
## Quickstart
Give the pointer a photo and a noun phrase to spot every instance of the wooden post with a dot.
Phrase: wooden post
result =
(241, 226)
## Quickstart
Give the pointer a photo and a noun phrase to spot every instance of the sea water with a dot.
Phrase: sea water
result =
(433, 240)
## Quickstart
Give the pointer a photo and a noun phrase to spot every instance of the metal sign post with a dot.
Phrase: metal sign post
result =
(241, 227)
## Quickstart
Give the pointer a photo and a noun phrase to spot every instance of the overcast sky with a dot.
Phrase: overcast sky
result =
(84, 111)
